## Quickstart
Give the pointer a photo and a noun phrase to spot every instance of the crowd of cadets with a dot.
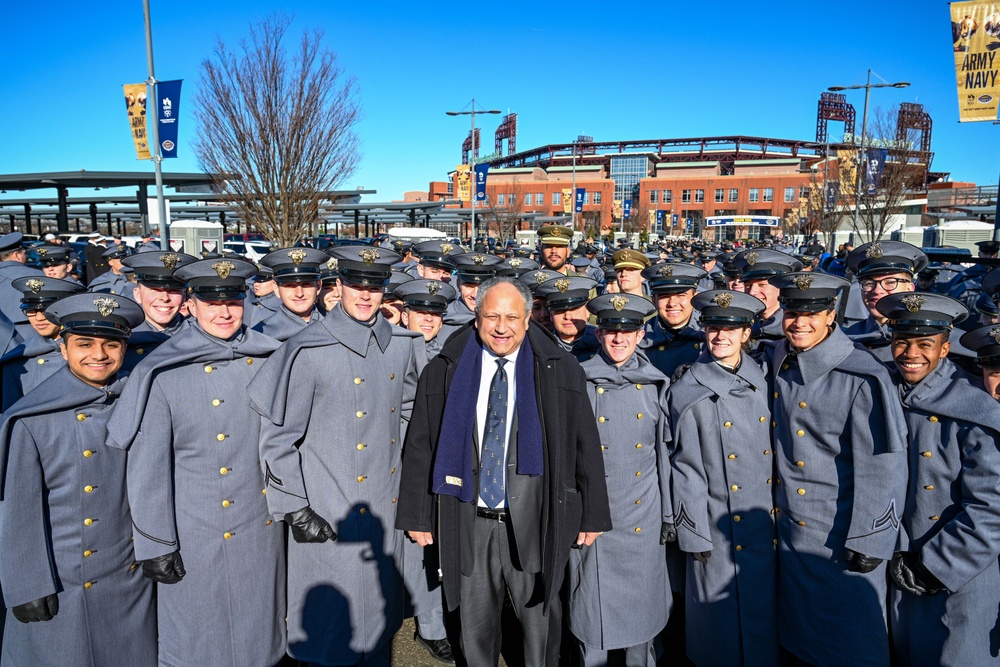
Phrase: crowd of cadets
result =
(801, 452)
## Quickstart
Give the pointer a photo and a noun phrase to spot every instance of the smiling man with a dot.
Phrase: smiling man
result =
(629, 266)
(674, 337)
(566, 302)
(554, 241)
(425, 302)
(839, 445)
(757, 267)
(947, 577)
(297, 283)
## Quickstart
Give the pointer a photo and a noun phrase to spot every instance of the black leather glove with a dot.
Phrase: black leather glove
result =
(912, 576)
(43, 609)
(307, 526)
(168, 569)
(861, 563)
(702, 556)
(667, 533)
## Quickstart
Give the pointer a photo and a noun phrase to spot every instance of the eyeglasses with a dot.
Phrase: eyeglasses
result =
(888, 284)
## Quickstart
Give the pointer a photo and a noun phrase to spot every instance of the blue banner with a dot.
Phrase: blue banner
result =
(875, 165)
(676, 218)
(626, 208)
(481, 170)
(659, 219)
(578, 199)
(832, 193)
(168, 109)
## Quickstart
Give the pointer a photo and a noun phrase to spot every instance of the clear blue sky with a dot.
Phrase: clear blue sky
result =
(614, 71)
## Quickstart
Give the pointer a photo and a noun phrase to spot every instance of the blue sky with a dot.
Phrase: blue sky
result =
(615, 71)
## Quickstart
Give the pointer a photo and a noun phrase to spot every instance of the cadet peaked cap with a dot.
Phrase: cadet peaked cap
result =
(921, 313)
(763, 263)
(11, 241)
(986, 306)
(37, 292)
(328, 271)
(396, 278)
(621, 312)
(437, 253)
(566, 292)
(117, 251)
(989, 247)
(524, 252)
(555, 235)
(807, 291)
(991, 284)
(515, 267)
(476, 268)
(431, 296)
(580, 262)
(364, 265)
(629, 259)
(96, 314)
(295, 264)
(673, 278)
(886, 257)
(264, 274)
(535, 278)
(401, 246)
(221, 279)
(156, 268)
(985, 341)
(727, 308)
(51, 255)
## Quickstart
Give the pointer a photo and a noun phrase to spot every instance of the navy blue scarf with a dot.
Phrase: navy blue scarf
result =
(453, 462)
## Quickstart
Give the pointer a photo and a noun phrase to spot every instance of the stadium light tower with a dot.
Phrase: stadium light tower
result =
(471, 111)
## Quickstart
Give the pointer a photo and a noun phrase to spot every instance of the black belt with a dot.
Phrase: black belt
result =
(495, 515)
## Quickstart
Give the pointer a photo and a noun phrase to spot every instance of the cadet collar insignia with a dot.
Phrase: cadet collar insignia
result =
(297, 256)
(666, 271)
(619, 302)
(434, 287)
(751, 257)
(368, 256)
(35, 285)
(478, 259)
(42, 252)
(515, 263)
(913, 302)
(105, 305)
(995, 333)
(331, 264)
(223, 269)
(723, 299)
(874, 251)
(562, 285)
(803, 282)
(541, 277)
(170, 260)
(446, 248)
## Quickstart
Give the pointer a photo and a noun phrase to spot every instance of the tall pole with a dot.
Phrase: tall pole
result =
(572, 194)
(472, 168)
(161, 206)
(862, 179)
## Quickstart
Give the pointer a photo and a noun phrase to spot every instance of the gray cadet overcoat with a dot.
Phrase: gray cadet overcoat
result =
(26, 366)
(112, 283)
(619, 588)
(283, 324)
(840, 443)
(668, 349)
(723, 468)
(259, 309)
(65, 530)
(195, 485)
(332, 399)
(952, 520)
(10, 298)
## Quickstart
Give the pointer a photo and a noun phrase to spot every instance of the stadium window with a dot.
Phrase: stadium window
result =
(686, 196)
(667, 197)
(652, 196)
(734, 195)
(789, 194)
(500, 199)
(539, 199)
(597, 197)
(720, 195)
(699, 196)
(768, 194)
(557, 199)
(527, 199)
(754, 194)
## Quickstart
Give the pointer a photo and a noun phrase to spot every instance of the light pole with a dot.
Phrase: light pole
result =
(472, 155)
(864, 127)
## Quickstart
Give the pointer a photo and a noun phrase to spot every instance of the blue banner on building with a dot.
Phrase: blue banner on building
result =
(659, 219)
(481, 170)
(626, 208)
(168, 109)
(676, 218)
(578, 199)
(875, 165)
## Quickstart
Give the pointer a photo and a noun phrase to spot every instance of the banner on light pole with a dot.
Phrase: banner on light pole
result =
(168, 108)
(464, 182)
(975, 36)
(481, 169)
(578, 202)
(135, 106)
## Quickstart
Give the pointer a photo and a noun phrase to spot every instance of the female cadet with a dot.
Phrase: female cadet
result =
(721, 485)
(986, 344)
(607, 609)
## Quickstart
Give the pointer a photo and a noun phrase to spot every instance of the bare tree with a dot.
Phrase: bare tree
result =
(504, 211)
(277, 129)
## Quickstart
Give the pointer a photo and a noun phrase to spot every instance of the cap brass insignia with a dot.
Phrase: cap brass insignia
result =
(223, 269)
(541, 277)
(803, 282)
(874, 251)
(995, 333)
(913, 302)
(368, 256)
(751, 258)
(562, 285)
(105, 305)
(434, 287)
(478, 259)
(35, 285)
(627, 256)
(619, 302)
(666, 271)
(515, 263)
(723, 299)
(170, 260)
(446, 248)
(297, 256)
(331, 264)
(42, 252)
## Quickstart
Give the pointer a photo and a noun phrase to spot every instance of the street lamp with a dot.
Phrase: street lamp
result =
(868, 85)
(472, 152)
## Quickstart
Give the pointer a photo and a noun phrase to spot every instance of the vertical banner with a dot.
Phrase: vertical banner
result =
(464, 183)
(581, 193)
(626, 208)
(874, 166)
(481, 170)
(616, 208)
(135, 105)
(975, 37)
(659, 220)
(168, 109)
(832, 193)
(846, 165)
(567, 200)
(652, 220)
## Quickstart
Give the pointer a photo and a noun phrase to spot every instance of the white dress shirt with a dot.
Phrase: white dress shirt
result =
(489, 370)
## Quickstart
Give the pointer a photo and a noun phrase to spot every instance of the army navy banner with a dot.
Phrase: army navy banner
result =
(975, 36)
(135, 105)
(464, 182)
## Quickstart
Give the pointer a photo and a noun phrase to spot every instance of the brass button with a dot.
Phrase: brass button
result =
(600, 390)
(208, 369)
(600, 419)
(394, 501)
(603, 448)
(935, 517)
(132, 567)
(776, 394)
(638, 445)
(88, 553)
(802, 405)
(767, 452)
(763, 419)
(41, 361)
(357, 380)
(728, 424)
(87, 453)
(732, 457)
(638, 473)
(220, 437)
(226, 536)
(392, 472)
(638, 386)
(88, 585)
(88, 489)
(773, 424)
(662, 348)
(268, 522)
(800, 432)
(926, 455)
(638, 530)
(81, 417)
(225, 503)
(216, 402)
(360, 446)
(801, 523)
(223, 471)
(88, 521)
(737, 518)
(784, 367)
(739, 547)
(363, 510)
(249, 362)
(801, 492)
(392, 442)
(393, 409)
(929, 487)
(638, 502)
(734, 487)
(800, 464)
(932, 418)
(140, 351)
(639, 416)
(264, 491)
(361, 478)
(359, 414)
(774, 541)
